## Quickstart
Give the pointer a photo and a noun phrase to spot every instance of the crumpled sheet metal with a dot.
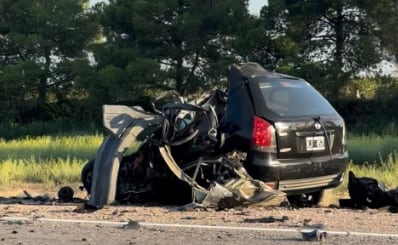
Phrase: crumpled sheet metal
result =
(255, 192)
(240, 191)
(110, 153)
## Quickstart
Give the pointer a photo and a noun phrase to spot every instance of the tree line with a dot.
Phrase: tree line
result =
(66, 59)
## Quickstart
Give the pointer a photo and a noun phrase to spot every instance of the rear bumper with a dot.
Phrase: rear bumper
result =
(299, 186)
(297, 176)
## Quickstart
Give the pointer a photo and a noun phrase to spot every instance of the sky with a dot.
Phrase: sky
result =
(254, 5)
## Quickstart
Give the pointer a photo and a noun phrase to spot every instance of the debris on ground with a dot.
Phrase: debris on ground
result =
(64, 196)
(313, 234)
(269, 219)
(132, 225)
(367, 192)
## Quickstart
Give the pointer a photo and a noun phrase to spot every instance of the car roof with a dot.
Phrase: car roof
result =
(252, 70)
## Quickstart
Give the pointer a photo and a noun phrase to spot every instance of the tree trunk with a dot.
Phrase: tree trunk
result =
(180, 76)
(339, 29)
(42, 87)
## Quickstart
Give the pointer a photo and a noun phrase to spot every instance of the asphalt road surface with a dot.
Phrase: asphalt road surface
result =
(70, 224)
(61, 232)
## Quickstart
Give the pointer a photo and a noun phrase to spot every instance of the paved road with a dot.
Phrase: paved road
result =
(69, 231)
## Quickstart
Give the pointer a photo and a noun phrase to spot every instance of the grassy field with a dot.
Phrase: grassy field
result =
(58, 160)
(373, 150)
(385, 171)
(47, 160)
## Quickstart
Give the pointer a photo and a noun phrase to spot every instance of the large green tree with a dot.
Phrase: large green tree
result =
(39, 42)
(166, 44)
(384, 13)
(263, 39)
(332, 39)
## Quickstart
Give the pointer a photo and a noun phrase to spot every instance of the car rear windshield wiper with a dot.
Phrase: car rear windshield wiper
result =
(318, 119)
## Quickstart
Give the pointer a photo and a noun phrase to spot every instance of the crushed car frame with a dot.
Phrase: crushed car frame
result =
(229, 148)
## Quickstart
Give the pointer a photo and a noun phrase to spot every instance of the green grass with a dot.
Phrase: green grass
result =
(371, 149)
(375, 157)
(55, 160)
(46, 159)
(385, 171)
(48, 147)
(51, 171)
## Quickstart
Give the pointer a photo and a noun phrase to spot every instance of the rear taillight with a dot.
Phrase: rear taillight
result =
(263, 136)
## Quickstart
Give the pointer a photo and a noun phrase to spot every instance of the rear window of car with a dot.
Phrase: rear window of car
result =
(292, 98)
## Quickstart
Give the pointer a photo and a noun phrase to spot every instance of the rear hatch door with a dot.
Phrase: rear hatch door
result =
(306, 124)
(309, 137)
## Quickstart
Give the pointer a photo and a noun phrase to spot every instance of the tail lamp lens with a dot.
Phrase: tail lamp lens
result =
(263, 133)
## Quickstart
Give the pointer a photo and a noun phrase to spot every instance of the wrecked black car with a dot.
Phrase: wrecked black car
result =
(267, 136)
(294, 139)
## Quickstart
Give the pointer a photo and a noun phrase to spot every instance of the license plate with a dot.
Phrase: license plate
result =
(315, 143)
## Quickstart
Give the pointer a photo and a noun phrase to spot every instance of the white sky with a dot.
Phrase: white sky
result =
(254, 5)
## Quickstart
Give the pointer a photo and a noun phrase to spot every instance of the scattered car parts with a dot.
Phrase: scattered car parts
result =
(367, 192)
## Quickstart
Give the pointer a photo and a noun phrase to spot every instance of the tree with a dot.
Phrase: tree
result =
(39, 39)
(384, 13)
(167, 44)
(332, 38)
(263, 39)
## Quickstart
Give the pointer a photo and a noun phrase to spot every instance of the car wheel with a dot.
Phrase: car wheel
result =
(87, 175)
(306, 200)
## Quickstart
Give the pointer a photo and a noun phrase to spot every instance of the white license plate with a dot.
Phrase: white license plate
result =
(315, 143)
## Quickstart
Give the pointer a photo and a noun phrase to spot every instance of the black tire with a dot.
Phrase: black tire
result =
(306, 200)
(87, 175)
(65, 194)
